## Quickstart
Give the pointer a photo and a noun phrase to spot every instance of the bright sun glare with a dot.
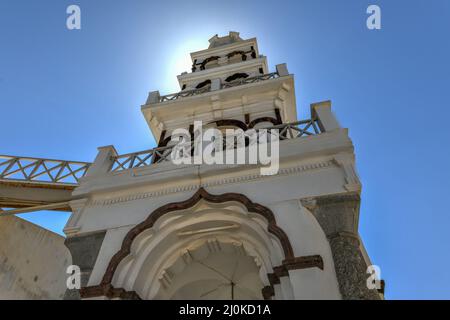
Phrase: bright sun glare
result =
(180, 61)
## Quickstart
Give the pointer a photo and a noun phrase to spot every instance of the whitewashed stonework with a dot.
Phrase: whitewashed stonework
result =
(162, 231)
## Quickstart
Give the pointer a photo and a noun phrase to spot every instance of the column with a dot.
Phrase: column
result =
(338, 216)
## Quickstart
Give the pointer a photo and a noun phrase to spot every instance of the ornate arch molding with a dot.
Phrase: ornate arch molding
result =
(264, 119)
(208, 60)
(242, 125)
(203, 84)
(243, 54)
(163, 140)
(231, 122)
(290, 262)
(236, 76)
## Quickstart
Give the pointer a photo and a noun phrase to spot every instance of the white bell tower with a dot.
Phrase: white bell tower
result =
(145, 228)
(214, 93)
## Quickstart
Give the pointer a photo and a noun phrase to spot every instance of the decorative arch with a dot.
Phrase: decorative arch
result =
(105, 288)
(243, 54)
(164, 141)
(203, 84)
(239, 75)
(208, 60)
(264, 119)
(231, 122)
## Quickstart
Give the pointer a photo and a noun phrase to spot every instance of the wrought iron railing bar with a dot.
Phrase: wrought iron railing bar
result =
(6, 170)
(158, 153)
(20, 169)
(286, 132)
(48, 171)
(5, 162)
(290, 131)
(52, 170)
(193, 92)
(45, 159)
(45, 171)
(316, 131)
(36, 167)
(8, 173)
(61, 170)
(142, 161)
(141, 152)
(138, 159)
(125, 163)
(187, 93)
(133, 158)
(70, 174)
(283, 132)
(28, 166)
(119, 165)
(306, 127)
(283, 125)
(73, 173)
(250, 80)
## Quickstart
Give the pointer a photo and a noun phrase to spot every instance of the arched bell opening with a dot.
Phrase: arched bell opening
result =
(236, 76)
(203, 84)
(237, 56)
(210, 62)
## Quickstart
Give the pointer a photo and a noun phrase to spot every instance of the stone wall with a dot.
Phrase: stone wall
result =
(33, 261)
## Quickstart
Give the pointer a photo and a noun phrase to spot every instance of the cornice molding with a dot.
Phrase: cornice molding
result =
(213, 183)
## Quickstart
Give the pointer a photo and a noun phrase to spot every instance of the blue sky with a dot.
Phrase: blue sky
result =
(64, 93)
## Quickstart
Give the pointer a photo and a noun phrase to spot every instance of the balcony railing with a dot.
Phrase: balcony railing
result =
(41, 170)
(244, 56)
(239, 82)
(243, 81)
(183, 94)
(162, 154)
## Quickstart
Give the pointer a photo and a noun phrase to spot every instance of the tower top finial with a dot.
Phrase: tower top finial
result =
(217, 41)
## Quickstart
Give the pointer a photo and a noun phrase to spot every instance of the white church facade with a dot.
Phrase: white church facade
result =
(143, 227)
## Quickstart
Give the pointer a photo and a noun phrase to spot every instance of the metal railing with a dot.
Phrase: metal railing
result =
(297, 129)
(243, 81)
(41, 170)
(26, 169)
(239, 82)
(162, 154)
(185, 93)
(141, 158)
